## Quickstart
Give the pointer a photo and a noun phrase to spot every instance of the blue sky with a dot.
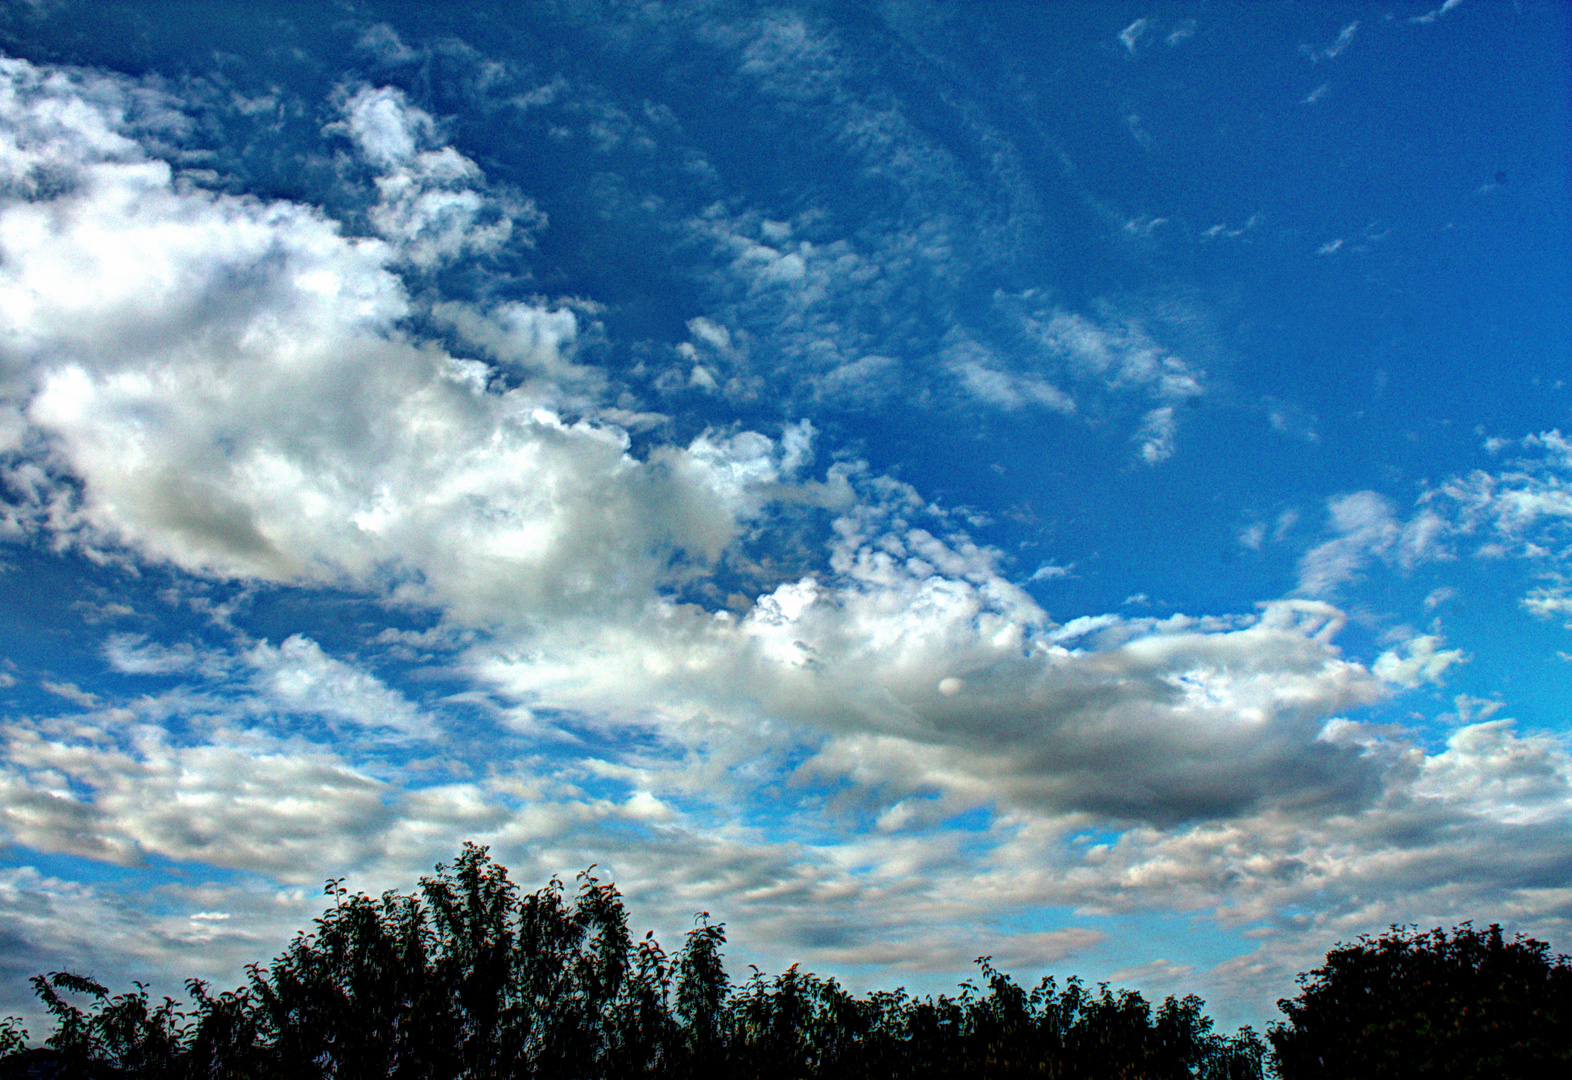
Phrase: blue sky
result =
(1079, 483)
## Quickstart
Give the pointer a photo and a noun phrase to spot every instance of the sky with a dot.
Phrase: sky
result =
(1086, 484)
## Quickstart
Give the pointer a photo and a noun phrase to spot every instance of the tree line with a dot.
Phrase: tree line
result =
(468, 978)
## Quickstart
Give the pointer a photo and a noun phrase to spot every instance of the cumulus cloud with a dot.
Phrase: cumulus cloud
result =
(916, 667)
(1210, 740)
(428, 203)
(1417, 662)
(243, 402)
(190, 412)
(533, 339)
(195, 432)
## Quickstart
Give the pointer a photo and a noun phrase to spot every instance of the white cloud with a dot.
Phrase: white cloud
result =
(427, 202)
(196, 413)
(1432, 15)
(72, 693)
(1478, 830)
(1488, 767)
(527, 337)
(1123, 355)
(1131, 35)
(133, 654)
(1216, 737)
(1522, 510)
(1366, 527)
(388, 129)
(60, 925)
(1089, 357)
(1345, 38)
(249, 802)
(1143, 224)
(712, 334)
(1549, 602)
(1530, 494)
(1431, 818)
(1421, 539)
(1365, 524)
(1285, 523)
(1137, 129)
(1156, 717)
(1418, 662)
(1009, 390)
(1156, 437)
(298, 677)
(815, 301)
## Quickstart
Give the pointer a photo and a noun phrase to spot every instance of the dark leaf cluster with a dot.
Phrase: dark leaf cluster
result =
(1466, 1005)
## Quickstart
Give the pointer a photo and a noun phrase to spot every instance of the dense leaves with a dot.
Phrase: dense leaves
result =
(1428, 1004)
(466, 978)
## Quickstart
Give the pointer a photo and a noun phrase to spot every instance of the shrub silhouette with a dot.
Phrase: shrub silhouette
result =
(1428, 1004)
(467, 978)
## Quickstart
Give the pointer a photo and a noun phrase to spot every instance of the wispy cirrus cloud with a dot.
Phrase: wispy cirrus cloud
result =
(1131, 35)
(1365, 527)
(1345, 38)
(1435, 13)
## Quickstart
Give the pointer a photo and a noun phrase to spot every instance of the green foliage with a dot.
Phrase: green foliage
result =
(466, 978)
(13, 1036)
(1468, 1005)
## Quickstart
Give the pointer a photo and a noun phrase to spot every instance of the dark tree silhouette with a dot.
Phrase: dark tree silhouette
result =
(465, 978)
(1466, 1005)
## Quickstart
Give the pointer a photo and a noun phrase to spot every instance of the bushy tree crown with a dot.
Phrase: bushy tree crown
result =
(1467, 1004)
